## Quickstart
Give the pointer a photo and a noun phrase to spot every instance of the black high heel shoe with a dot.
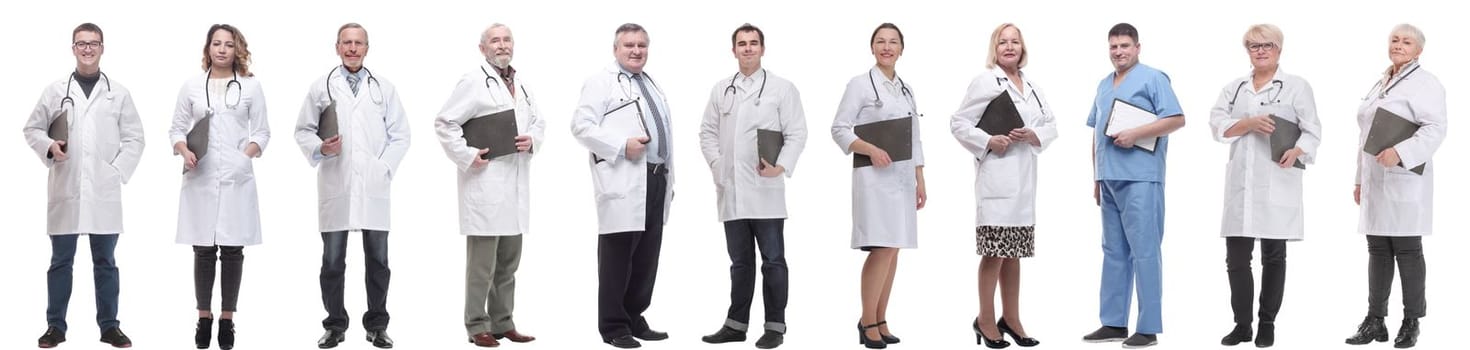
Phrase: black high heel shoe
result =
(980, 337)
(863, 336)
(887, 338)
(226, 334)
(1022, 341)
(201, 332)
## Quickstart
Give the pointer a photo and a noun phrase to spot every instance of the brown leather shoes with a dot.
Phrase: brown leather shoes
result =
(514, 336)
(484, 340)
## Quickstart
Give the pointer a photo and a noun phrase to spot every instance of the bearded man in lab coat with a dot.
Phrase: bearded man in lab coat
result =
(494, 193)
(94, 153)
(354, 178)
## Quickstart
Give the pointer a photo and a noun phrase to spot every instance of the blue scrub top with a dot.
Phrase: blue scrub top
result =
(1149, 89)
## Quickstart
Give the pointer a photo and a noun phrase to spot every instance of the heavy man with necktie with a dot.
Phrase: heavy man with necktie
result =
(622, 119)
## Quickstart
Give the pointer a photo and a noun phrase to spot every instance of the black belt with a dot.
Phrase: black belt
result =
(657, 168)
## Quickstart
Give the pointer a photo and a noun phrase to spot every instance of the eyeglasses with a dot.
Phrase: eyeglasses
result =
(1261, 46)
(86, 45)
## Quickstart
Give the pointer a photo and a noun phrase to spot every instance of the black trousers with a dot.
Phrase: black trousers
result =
(233, 260)
(742, 239)
(1408, 252)
(627, 265)
(1238, 252)
(333, 279)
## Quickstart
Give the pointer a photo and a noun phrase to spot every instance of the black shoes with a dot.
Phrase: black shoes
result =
(1140, 340)
(980, 337)
(1265, 334)
(1408, 334)
(1022, 341)
(1372, 329)
(623, 342)
(115, 337)
(868, 342)
(770, 340)
(650, 335)
(380, 339)
(724, 335)
(202, 331)
(226, 334)
(1106, 334)
(51, 338)
(887, 338)
(330, 339)
(1241, 334)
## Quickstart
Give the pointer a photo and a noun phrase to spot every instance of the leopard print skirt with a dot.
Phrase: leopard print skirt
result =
(1005, 241)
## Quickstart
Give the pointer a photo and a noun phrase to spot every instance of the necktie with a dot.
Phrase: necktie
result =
(658, 119)
(352, 82)
(509, 83)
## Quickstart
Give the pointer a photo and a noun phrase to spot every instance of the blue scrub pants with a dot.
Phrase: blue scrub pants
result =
(1133, 227)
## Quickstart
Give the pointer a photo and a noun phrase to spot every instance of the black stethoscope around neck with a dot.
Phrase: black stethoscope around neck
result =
(234, 82)
(1384, 93)
(734, 94)
(1274, 98)
(489, 78)
(67, 100)
(902, 88)
(1001, 82)
(372, 84)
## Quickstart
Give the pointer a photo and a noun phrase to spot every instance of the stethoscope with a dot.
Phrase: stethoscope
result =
(999, 81)
(489, 78)
(67, 100)
(372, 84)
(628, 87)
(1384, 93)
(902, 88)
(733, 93)
(1274, 98)
(234, 82)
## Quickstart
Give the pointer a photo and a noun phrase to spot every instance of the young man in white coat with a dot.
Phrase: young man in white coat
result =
(90, 158)
(623, 120)
(356, 160)
(494, 194)
(750, 190)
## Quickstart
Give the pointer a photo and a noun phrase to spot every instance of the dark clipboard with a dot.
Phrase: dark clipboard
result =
(1284, 138)
(496, 131)
(326, 123)
(1001, 116)
(1389, 129)
(197, 139)
(59, 129)
(894, 136)
(768, 144)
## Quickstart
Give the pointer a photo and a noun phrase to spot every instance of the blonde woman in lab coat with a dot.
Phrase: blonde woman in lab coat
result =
(1263, 194)
(1005, 182)
(218, 208)
(1395, 206)
(886, 196)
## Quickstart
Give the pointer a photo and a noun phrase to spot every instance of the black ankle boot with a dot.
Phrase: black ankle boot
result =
(1372, 329)
(201, 332)
(1265, 334)
(1241, 334)
(1408, 334)
(226, 334)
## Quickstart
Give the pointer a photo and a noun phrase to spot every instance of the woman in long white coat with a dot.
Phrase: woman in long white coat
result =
(1263, 193)
(1396, 205)
(886, 196)
(218, 206)
(1005, 181)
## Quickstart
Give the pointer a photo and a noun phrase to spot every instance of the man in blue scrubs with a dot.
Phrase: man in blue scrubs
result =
(1130, 189)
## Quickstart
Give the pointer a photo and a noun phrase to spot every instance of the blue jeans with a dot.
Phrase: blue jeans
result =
(334, 280)
(104, 277)
(742, 239)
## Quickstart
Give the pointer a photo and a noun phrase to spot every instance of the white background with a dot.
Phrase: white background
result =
(425, 46)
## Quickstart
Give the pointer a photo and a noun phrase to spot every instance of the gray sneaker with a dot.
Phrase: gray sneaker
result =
(1140, 340)
(1106, 334)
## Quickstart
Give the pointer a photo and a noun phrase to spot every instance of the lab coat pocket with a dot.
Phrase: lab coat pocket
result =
(998, 178)
(379, 179)
(1400, 185)
(606, 182)
(1286, 187)
(60, 186)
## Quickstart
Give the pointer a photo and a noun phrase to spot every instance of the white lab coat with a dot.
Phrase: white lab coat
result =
(619, 185)
(884, 200)
(727, 136)
(494, 200)
(354, 187)
(84, 193)
(1262, 199)
(1395, 201)
(218, 204)
(1005, 184)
